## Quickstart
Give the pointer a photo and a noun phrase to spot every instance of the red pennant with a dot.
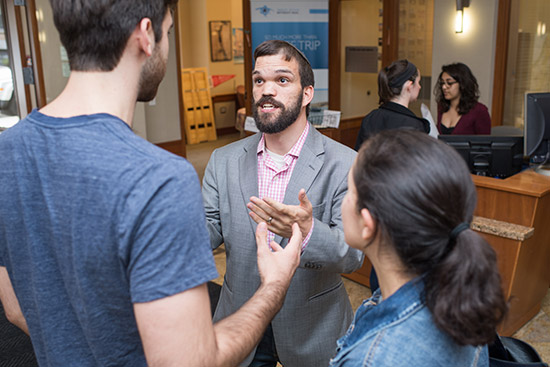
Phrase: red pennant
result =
(219, 79)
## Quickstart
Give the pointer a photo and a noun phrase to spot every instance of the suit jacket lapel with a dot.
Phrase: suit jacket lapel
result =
(307, 168)
(248, 173)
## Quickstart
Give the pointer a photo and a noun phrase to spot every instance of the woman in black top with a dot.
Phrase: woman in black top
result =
(398, 85)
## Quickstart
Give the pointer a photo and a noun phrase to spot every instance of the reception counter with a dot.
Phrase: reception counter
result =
(523, 199)
(513, 215)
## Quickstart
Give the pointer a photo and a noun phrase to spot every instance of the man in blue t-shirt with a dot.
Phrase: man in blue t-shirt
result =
(104, 252)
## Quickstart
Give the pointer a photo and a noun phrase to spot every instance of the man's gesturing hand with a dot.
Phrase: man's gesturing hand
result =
(280, 217)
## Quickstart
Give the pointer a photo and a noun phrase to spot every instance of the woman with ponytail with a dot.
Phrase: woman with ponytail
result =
(398, 85)
(440, 297)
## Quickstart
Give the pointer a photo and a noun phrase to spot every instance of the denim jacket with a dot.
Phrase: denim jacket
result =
(400, 331)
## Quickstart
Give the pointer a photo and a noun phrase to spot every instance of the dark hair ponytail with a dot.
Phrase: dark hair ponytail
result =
(392, 78)
(403, 178)
(463, 291)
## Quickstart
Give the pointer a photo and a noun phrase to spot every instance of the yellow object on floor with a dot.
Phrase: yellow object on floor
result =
(197, 103)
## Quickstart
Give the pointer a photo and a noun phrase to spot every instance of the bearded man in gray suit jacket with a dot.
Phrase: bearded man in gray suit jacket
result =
(288, 173)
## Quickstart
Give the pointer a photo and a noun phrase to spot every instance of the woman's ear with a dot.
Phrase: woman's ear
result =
(369, 225)
(407, 86)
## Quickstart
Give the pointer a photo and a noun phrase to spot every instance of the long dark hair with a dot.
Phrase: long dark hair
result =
(386, 89)
(467, 83)
(403, 179)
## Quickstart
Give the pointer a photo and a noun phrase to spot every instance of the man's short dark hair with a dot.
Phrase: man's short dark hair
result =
(95, 32)
(290, 52)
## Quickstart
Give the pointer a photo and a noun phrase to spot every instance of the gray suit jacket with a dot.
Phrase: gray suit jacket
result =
(316, 311)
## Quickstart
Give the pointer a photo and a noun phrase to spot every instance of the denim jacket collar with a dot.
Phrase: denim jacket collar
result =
(405, 301)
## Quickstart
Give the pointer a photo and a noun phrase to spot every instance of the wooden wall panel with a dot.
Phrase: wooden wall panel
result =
(177, 147)
(505, 206)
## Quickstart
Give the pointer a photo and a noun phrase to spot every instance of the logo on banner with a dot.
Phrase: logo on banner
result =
(264, 10)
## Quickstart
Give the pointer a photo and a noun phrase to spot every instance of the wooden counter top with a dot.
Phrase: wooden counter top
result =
(526, 182)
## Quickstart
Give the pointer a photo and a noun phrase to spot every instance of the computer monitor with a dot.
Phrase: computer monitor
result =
(489, 155)
(536, 127)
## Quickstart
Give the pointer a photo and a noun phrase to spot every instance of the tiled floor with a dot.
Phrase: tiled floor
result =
(536, 332)
(199, 154)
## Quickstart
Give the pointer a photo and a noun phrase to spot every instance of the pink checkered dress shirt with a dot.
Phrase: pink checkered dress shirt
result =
(272, 182)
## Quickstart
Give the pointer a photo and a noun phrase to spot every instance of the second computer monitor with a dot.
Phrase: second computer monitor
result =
(489, 155)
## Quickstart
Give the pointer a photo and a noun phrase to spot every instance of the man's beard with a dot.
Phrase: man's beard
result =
(151, 75)
(285, 118)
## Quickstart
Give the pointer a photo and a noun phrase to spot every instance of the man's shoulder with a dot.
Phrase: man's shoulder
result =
(16, 130)
(140, 159)
(165, 164)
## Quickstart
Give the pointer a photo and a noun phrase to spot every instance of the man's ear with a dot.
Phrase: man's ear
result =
(146, 36)
(369, 225)
(307, 95)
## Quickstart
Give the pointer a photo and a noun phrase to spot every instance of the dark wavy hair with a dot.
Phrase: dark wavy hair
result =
(467, 83)
(403, 179)
(290, 52)
(95, 32)
(387, 75)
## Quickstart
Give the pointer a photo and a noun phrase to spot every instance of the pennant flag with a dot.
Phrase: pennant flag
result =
(219, 79)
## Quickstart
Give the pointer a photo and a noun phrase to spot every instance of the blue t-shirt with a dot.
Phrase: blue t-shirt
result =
(93, 219)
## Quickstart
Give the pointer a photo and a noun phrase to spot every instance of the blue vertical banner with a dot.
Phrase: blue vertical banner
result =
(302, 23)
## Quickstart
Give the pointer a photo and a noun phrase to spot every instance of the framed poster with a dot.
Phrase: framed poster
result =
(220, 40)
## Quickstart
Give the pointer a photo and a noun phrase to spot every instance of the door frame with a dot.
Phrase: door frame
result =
(501, 58)
(15, 39)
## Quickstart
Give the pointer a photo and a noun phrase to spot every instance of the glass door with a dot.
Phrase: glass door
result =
(528, 68)
(388, 30)
(361, 31)
(19, 76)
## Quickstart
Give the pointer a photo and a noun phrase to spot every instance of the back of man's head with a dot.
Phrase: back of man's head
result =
(95, 32)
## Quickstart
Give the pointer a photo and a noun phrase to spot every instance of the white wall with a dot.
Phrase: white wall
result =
(162, 114)
(225, 10)
(50, 48)
(139, 124)
(193, 33)
(194, 17)
(475, 47)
